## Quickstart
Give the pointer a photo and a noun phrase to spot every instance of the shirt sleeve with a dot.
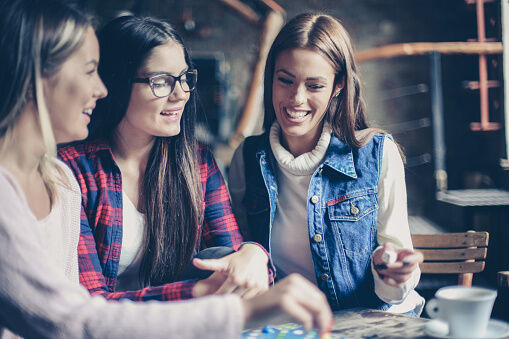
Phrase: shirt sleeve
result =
(220, 226)
(38, 301)
(392, 223)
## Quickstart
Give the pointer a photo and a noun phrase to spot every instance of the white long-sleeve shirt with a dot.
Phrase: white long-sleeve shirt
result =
(38, 298)
(289, 230)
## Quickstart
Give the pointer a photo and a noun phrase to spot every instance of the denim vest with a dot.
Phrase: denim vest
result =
(341, 210)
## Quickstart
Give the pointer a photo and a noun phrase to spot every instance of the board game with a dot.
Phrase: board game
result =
(287, 331)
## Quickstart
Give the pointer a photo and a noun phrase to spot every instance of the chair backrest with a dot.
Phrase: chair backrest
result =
(454, 253)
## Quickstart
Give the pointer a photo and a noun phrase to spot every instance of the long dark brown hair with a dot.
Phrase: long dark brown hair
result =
(325, 35)
(171, 189)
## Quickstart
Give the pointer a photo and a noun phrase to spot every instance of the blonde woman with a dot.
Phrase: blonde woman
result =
(49, 89)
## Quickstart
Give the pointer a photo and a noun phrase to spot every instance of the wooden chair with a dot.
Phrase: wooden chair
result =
(454, 253)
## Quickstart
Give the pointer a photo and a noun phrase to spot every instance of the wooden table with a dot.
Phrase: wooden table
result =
(362, 323)
(368, 323)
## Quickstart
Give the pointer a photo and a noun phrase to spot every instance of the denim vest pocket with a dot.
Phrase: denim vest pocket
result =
(353, 221)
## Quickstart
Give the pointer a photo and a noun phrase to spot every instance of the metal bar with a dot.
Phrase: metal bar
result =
(437, 110)
(244, 10)
(404, 91)
(273, 5)
(474, 85)
(483, 68)
(471, 2)
(505, 40)
(420, 48)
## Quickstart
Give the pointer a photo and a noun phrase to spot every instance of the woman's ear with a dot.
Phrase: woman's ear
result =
(339, 87)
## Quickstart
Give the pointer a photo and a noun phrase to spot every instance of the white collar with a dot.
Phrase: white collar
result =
(304, 164)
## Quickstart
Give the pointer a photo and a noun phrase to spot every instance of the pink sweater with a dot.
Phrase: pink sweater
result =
(38, 300)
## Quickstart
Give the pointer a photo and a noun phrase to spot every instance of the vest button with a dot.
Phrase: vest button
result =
(315, 199)
(354, 210)
(317, 238)
(324, 277)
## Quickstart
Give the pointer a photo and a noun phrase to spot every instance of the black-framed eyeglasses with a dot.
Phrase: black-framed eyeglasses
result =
(163, 84)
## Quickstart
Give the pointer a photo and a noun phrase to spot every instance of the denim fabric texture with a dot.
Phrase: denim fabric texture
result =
(342, 214)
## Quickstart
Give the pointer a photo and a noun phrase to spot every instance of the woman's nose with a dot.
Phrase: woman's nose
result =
(101, 90)
(178, 92)
(299, 95)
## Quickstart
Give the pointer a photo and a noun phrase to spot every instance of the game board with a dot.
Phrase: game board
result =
(287, 331)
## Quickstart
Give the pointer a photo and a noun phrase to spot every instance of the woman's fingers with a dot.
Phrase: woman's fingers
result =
(412, 257)
(298, 311)
(227, 287)
(216, 265)
(294, 296)
(251, 293)
(209, 285)
(311, 301)
(397, 273)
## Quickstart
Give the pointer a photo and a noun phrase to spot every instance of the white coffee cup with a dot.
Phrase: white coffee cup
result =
(465, 310)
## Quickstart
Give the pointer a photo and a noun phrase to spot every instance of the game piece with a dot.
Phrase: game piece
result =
(389, 257)
(268, 329)
(286, 331)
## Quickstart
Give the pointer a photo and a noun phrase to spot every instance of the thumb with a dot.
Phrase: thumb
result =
(388, 246)
(377, 254)
(210, 264)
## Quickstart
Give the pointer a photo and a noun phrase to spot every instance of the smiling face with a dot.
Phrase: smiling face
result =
(148, 116)
(302, 86)
(71, 93)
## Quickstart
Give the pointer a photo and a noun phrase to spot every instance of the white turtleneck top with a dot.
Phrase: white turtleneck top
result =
(290, 229)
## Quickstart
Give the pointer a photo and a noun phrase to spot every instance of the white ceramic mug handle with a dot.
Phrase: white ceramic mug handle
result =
(432, 308)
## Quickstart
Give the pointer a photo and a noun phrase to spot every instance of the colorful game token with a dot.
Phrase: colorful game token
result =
(286, 331)
(268, 329)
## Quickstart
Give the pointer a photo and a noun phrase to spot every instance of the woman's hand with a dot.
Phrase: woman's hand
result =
(397, 273)
(294, 296)
(243, 272)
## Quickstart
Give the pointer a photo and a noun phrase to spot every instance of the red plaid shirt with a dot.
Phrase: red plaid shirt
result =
(100, 241)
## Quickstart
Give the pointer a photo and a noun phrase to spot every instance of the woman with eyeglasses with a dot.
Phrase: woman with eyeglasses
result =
(152, 196)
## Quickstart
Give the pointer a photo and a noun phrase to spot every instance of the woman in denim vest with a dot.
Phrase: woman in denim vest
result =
(320, 190)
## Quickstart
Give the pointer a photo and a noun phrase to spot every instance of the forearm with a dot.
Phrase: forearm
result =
(38, 301)
(392, 224)
(176, 291)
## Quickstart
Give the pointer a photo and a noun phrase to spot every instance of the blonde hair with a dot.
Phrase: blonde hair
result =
(41, 35)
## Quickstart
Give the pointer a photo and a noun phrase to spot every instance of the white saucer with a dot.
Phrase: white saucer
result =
(496, 329)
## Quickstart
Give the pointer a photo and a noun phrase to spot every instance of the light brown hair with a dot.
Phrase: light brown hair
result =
(327, 36)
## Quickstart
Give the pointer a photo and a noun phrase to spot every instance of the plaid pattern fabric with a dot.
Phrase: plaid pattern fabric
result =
(101, 220)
